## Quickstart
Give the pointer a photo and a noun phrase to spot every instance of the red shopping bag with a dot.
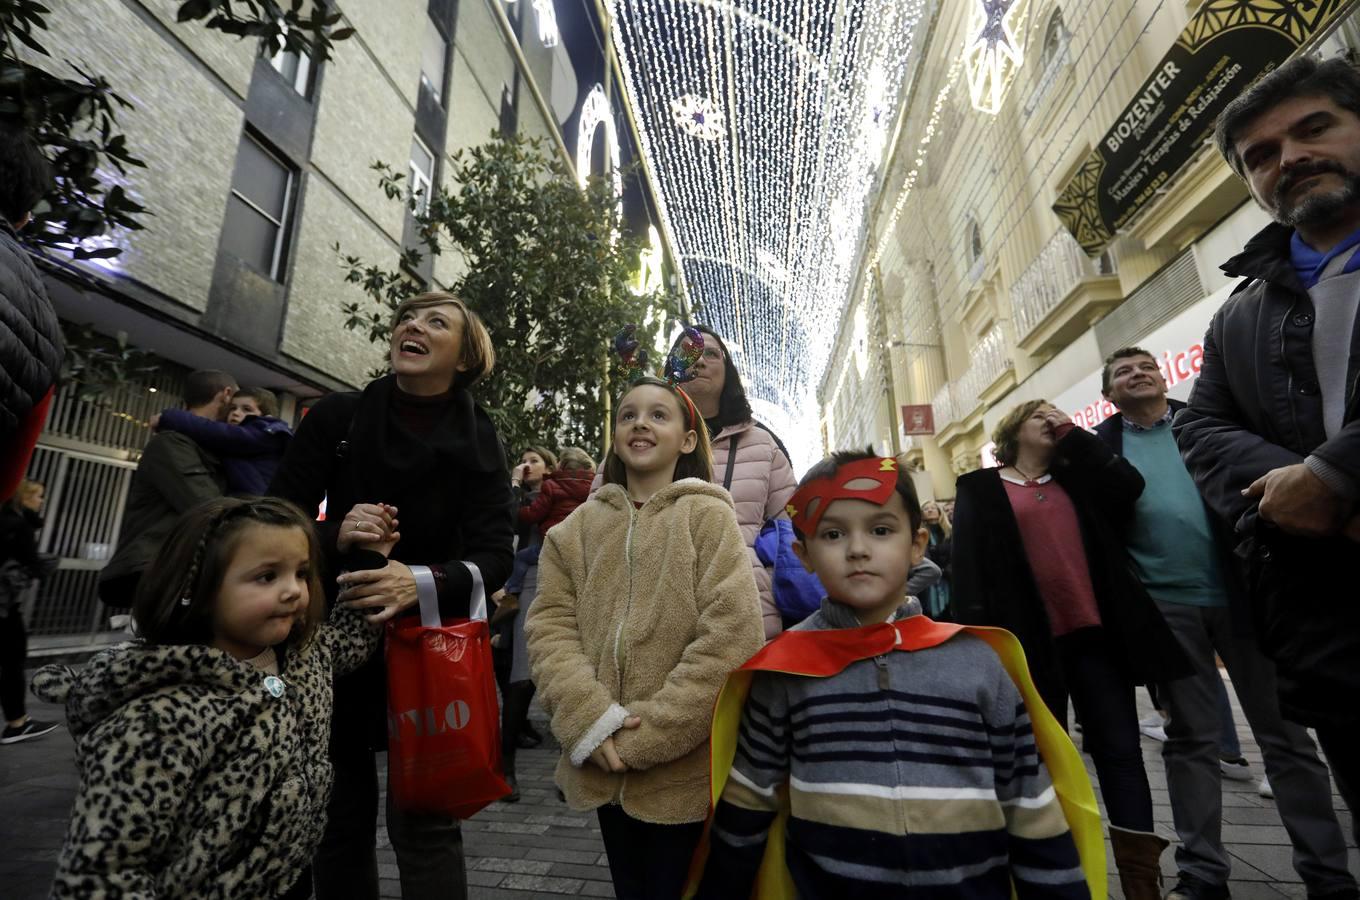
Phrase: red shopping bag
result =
(443, 724)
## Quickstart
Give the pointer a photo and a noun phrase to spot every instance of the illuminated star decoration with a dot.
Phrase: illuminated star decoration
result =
(698, 117)
(993, 55)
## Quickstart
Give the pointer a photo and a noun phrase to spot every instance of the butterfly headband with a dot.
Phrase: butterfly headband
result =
(679, 362)
(872, 480)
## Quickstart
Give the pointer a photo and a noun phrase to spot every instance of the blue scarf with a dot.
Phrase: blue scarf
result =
(1309, 264)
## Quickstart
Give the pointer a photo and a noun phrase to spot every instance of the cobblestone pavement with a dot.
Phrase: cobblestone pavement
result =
(539, 848)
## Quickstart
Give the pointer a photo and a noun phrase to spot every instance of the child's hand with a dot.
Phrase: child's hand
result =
(506, 607)
(369, 524)
(606, 756)
(391, 536)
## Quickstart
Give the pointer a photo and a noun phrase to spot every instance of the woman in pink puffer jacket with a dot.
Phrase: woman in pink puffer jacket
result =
(761, 478)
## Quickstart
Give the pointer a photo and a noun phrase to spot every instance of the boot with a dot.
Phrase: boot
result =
(513, 796)
(514, 712)
(1137, 856)
(529, 737)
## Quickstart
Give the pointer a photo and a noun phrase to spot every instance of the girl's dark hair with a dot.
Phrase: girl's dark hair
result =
(698, 463)
(733, 407)
(548, 457)
(193, 561)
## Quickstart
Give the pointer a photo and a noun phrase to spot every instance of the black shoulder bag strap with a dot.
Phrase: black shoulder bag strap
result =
(731, 461)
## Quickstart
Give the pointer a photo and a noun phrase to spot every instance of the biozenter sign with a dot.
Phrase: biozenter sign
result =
(1227, 45)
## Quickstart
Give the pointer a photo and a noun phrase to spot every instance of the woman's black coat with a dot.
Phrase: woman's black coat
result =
(993, 583)
(452, 492)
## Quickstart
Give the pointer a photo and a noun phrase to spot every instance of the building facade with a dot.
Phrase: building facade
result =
(981, 293)
(258, 177)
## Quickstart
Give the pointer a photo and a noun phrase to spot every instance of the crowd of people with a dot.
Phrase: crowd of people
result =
(908, 737)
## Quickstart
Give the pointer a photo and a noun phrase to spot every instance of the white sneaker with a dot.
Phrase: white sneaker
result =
(1153, 726)
(1236, 769)
(1264, 788)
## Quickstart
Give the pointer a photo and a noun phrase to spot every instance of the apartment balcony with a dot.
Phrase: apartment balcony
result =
(942, 406)
(1061, 295)
(958, 405)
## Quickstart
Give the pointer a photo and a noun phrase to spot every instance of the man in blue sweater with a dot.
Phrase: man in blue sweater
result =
(1183, 555)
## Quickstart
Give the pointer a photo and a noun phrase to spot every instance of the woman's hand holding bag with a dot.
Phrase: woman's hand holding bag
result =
(390, 591)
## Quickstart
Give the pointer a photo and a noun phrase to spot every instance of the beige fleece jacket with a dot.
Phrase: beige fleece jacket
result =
(642, 612)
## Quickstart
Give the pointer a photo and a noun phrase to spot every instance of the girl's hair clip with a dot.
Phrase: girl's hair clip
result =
(679, 362)
(633, 360)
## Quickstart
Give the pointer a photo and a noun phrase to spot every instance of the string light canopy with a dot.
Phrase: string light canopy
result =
(764, 124)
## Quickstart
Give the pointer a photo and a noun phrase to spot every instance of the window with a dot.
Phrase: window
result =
(509, 123)
(422, 175)
(974, 242)
(296, 69)
(1054, 39)
(259, 208)
(434, 59)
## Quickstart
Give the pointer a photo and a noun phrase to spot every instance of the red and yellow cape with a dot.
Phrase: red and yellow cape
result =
(820, 654)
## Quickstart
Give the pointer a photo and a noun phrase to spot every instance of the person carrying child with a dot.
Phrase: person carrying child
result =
(867, 772)
(250, 444)
(202, 744)
(646, 601)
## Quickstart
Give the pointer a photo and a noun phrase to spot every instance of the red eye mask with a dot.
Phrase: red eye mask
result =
(872, 480)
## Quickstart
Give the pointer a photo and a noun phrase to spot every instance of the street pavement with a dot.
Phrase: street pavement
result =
(539, 848)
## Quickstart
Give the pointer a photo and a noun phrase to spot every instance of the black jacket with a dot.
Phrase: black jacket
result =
(1255, 407)
(452, 492)
(173, 476)
(994, 585)
(30, 336)
(1111, 431)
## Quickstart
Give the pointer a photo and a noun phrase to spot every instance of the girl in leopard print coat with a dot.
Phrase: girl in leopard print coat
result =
(202, 746)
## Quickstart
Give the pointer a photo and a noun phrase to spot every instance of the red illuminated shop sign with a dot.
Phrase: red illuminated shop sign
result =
(1177, 368)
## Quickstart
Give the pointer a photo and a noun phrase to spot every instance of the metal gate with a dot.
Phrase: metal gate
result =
(85, 497)
(85, 459)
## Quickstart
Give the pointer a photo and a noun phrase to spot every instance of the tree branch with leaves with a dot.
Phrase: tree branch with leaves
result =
(73, 114)
(547, 271)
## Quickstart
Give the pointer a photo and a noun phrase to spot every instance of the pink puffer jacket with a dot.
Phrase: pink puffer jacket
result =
(762, 484)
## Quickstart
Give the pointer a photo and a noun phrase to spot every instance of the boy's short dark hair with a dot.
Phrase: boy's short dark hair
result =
(202, 386)
(1335, 79)
(1116, 356)
(25, 174)
(906, 488)
(265, 399)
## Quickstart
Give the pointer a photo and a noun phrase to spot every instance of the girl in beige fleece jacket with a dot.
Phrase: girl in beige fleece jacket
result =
(646, 602)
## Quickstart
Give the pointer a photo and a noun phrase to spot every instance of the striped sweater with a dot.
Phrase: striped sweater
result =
(913, 774)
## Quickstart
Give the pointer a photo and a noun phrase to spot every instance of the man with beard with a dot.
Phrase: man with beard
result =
(1272, 432)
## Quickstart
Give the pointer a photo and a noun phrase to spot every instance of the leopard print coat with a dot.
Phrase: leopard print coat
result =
(196, 780)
